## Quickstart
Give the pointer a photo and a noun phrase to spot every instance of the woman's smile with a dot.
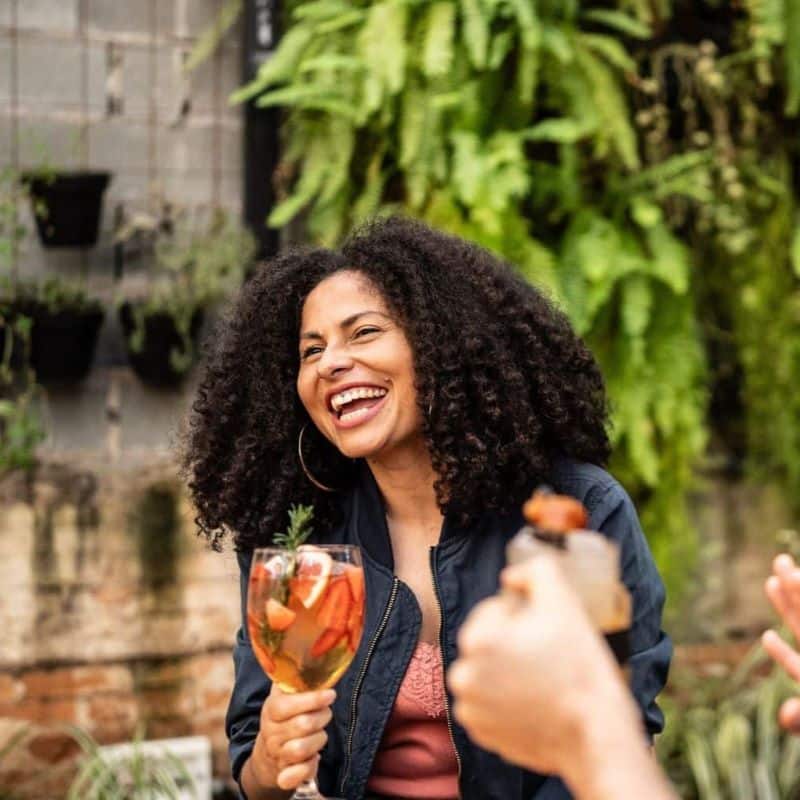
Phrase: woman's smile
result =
(356, 404)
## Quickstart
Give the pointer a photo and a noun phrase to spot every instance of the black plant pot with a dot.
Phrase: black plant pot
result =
(63, 342)
(67, 207)
(153, 361)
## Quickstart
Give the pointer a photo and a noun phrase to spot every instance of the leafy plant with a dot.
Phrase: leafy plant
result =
(21, 428)
(728, 744)
(137, 776)
(646, 181)
(197, 262)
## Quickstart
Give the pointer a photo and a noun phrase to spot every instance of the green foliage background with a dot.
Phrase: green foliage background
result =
(644, 169)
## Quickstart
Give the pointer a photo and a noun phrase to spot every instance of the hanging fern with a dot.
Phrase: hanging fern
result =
(552, 134)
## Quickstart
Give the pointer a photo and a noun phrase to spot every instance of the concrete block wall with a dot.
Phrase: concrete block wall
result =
(100, 84)
(88, 635)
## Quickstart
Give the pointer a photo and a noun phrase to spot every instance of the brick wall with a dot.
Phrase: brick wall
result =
(114, 614)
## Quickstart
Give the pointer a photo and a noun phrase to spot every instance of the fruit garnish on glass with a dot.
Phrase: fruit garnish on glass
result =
(305, 607)
(305, 612)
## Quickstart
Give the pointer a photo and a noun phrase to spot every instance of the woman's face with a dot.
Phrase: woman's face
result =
(356, 377)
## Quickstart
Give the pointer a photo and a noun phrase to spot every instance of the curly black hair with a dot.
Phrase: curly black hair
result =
(503, 382)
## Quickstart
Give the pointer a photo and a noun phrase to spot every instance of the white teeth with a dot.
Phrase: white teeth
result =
(358, 393)
(359, 412)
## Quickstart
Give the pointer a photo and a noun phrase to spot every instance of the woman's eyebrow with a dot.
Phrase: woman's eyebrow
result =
(345, 323)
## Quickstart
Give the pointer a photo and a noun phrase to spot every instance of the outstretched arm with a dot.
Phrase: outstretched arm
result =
(535, 683)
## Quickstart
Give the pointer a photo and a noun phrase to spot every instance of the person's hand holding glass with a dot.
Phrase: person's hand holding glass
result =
(305, 615)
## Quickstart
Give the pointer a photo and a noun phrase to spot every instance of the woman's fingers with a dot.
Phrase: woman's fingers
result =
(296, 751)
(782, 653)
(292, 776)
(305, 724)
(284, 707)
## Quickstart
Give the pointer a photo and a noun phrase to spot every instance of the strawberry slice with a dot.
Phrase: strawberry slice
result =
(355, 626)
(326, 642)
(355, 577)
(335, 608)
(279, 617)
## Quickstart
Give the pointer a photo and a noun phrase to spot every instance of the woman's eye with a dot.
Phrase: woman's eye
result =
(310, 351)
(366, 331)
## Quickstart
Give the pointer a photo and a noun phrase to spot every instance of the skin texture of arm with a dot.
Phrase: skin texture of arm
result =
(783, 590)
(535, 683)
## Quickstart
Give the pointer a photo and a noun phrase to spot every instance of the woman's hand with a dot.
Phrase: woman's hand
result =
(292, 733)
(783, 590)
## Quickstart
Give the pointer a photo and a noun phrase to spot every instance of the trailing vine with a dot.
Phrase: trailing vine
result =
(642, 174)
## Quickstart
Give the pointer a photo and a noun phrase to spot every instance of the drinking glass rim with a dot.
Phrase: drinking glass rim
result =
(328, 548)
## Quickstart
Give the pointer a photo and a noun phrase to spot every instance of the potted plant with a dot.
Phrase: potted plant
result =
(65, 323)
(197, 262)
(62, 321)
(67, 206)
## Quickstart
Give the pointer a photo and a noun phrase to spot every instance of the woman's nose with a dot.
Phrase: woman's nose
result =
(334, 360)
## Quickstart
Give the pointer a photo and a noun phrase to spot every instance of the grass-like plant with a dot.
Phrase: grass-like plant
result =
(137, 776)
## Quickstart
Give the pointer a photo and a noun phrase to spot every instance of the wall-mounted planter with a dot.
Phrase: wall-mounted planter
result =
(67, 206)
(63, 342)
(158, 352)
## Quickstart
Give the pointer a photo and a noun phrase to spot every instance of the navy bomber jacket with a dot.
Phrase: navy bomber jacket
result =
(465, 566)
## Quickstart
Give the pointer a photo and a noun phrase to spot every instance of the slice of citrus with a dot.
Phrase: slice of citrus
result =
(279, 617)
(311, 575)
(268, 571)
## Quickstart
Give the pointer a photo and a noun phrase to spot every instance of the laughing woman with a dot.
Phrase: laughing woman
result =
(428, 390)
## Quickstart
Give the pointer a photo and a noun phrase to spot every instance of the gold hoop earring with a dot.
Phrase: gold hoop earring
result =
(303, 463)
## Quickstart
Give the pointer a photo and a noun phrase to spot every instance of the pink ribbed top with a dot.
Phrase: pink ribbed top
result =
(416, 758)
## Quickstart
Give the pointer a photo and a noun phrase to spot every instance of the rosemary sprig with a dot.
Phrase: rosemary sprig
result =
(300, 519)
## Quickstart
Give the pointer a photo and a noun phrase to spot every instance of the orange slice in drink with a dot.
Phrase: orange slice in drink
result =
(279, 618)
(311, 575)
(335, 609)
(270, 571)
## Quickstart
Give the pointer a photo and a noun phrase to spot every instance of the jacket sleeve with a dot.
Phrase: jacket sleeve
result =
(250, 687)
(651, 649)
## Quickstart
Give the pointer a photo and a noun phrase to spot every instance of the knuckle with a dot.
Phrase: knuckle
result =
(305, 723)
(295, 749)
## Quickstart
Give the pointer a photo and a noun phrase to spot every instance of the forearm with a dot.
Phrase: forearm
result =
(613, 761)
(256, 787)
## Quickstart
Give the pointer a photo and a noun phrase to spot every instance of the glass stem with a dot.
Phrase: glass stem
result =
(307, 790)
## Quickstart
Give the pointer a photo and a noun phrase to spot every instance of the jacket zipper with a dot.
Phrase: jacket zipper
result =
(444, 660)
(360, 680)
